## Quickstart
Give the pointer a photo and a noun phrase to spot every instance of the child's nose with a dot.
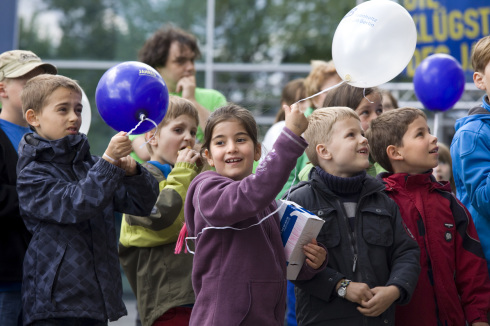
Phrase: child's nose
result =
(231, 147)
(434, 140)
(74, 116)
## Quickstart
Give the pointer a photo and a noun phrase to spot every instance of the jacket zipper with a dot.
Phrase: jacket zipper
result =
(350, 233)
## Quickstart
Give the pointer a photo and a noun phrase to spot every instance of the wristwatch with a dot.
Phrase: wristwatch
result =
(342, 291)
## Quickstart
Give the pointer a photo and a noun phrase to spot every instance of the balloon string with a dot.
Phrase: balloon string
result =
(364, 94)
(143, 118)
(154, 134)
(320, 92)
(231, 227)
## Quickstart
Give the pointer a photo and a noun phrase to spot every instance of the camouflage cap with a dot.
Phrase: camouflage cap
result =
(17, 63)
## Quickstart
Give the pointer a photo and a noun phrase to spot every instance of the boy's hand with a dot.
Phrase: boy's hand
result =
(479, 323)
(357, 292)
(315, 255)
(128, 164)
(384, 296)
(119, 147)
(295, 119)
(189, 155)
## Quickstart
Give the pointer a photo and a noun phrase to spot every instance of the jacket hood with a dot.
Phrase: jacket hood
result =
(394, 181)
(481, 112)
(67, 150)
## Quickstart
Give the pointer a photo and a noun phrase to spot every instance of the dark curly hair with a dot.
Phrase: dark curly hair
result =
(155, 50)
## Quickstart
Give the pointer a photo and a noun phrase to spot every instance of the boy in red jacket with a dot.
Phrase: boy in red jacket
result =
(453, 286)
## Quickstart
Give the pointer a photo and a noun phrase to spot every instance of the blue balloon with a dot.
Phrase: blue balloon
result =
(439, 82)
(129, 92)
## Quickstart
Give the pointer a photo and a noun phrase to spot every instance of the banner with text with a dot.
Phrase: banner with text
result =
(448, 26)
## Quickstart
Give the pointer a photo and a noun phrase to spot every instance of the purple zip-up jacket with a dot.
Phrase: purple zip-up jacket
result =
(239, 277)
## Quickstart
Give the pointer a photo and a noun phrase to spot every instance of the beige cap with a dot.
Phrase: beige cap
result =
(17, 63)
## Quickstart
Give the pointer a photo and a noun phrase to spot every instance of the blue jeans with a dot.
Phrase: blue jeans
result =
(68, 322)
(11, 308)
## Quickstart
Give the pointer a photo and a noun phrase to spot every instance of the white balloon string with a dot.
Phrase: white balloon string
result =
(237, 229)
(142, 118)
(364, 94)
(153, 136)
(320, 92)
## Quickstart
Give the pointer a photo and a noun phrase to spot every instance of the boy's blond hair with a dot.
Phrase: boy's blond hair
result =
(480, 56)
(38, 89)
(320, 126)
(389, 129)
(177, 106)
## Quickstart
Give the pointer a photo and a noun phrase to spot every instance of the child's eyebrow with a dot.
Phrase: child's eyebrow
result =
(422, 129)
(66, 103)
(241, 133)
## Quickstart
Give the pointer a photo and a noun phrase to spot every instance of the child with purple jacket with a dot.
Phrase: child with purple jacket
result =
(239, 272)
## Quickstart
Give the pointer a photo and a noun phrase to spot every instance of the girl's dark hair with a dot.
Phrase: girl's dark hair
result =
(229, 112)
(347, 95)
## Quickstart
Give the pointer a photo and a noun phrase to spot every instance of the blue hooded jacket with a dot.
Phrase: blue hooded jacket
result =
(470, 152)
(67, 199)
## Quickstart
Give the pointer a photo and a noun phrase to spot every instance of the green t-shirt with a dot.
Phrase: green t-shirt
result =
(208, 98)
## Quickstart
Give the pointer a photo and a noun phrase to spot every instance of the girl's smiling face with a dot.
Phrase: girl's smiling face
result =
(232, 151)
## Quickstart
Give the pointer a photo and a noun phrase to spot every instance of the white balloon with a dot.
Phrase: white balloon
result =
(373, 43)
(86, 114)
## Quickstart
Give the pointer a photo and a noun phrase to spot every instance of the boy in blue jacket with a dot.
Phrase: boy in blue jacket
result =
(67, 198)
(470, 151)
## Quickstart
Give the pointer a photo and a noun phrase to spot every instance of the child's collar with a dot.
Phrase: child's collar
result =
(164, 168)
(485, 103)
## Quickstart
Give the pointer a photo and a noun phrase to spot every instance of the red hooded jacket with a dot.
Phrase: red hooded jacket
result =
(454, 284)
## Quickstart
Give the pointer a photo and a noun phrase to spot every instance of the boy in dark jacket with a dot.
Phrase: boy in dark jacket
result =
(67, 198)
(453, 286)
(373, 260)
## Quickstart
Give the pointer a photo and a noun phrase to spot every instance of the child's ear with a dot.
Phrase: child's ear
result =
(323, 152)
(393, 153)
(258, 152)
(479, 80)
(31, 118)
(3, 93)
(210, 160)
(150, 139)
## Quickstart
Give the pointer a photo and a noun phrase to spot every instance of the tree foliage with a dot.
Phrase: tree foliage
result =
(255, 31)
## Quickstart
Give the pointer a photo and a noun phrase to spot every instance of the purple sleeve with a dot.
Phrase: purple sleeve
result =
(223, 202)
